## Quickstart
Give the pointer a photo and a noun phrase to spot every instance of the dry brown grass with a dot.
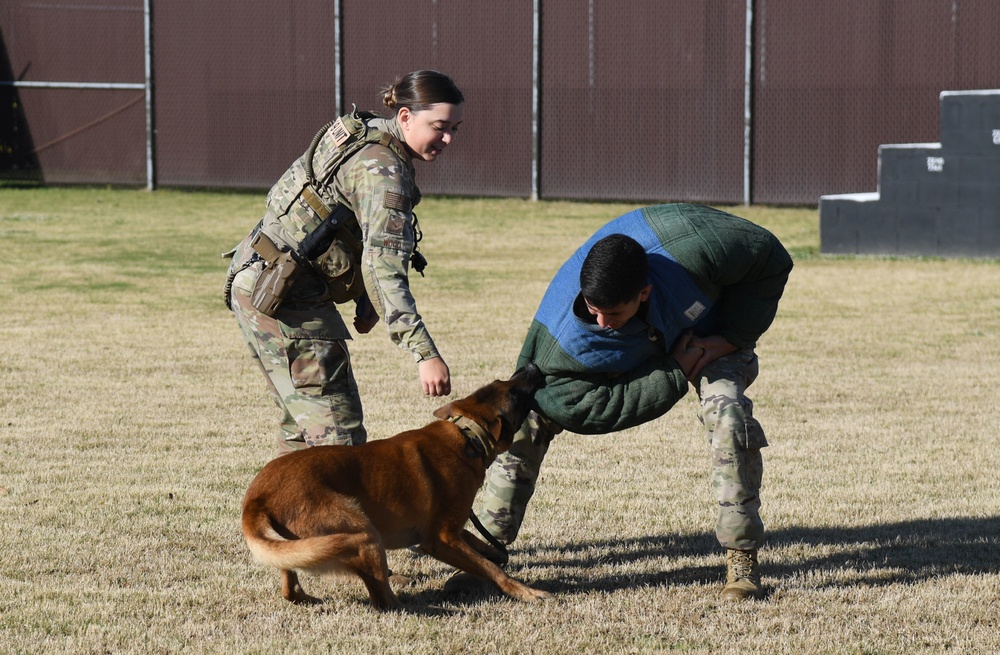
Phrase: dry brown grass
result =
(131, 421)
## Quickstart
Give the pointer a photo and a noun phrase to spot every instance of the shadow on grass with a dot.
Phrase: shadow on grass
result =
(894, 553)
(877, 555)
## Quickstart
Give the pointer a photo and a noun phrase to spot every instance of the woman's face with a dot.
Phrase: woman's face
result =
(430, 131)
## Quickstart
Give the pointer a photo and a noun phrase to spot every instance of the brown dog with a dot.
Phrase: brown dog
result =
(339, 508)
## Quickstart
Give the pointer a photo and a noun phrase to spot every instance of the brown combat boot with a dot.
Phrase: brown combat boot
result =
(742, 576)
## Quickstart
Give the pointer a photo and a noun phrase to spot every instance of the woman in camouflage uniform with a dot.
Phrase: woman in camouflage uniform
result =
(356, 183)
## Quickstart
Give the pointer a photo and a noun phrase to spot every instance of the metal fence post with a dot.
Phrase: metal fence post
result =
(748, 104)
(536, 108)
(148, 45)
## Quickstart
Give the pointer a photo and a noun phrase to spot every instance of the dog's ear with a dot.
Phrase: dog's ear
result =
(443, 412)
(495, 427)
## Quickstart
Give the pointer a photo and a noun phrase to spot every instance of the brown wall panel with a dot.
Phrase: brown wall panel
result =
(70, 135)
(486, 48)
(240, 88)
(977, 62)
(88, 136)
(75, 40)
(643, 100)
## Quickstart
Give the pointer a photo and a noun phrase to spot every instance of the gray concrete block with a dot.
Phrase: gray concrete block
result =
(904, 161)
(937, 193)
(840, 219)
(953, 115)
(989, 232)
(978, 141)
(968, 109)
(958, 233)
(838, 233)
(978, 168)
(970, 120)
(989, 108)
(981, 195)
(934, 199)
(878, 230)
(898, 192)
(917, 231)
(913, 162)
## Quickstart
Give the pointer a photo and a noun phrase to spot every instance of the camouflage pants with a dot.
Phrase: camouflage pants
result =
(310, 380)
(736, 439)
(510, 480)
(734, 435)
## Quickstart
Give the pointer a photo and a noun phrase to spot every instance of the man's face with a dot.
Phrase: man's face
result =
(614, 318)
(430, 131)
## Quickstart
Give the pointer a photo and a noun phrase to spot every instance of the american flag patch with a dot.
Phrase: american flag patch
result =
(396, 200)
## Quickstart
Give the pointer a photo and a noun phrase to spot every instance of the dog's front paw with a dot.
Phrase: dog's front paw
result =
(531, 595)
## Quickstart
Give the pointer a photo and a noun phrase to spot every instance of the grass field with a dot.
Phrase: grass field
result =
(132, 420)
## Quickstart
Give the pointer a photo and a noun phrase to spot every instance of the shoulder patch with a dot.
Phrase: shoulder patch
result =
(395, 225)
(396, 200)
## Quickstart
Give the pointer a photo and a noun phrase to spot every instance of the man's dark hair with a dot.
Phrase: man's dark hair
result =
(614, 271)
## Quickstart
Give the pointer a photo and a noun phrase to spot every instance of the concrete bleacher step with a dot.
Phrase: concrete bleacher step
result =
(933, 199)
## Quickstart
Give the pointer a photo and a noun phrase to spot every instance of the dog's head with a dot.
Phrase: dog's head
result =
(501, 406)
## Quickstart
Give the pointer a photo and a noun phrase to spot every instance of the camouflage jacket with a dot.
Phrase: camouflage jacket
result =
(376, 183)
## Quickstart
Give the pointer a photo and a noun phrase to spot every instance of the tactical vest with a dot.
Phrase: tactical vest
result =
(326, 232)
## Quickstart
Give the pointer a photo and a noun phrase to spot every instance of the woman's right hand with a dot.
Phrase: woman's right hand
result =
(435, 377)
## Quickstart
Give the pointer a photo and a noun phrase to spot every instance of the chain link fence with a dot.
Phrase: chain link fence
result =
(724, 101)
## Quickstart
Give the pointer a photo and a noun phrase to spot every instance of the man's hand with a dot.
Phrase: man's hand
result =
(712, 348)
(365, 316)
(687, 354)
(435, 377)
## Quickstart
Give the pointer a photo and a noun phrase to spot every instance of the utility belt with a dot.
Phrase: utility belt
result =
(275, 281)
(331, 252)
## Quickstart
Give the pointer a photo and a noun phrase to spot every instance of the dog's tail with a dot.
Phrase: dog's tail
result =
(319, 554)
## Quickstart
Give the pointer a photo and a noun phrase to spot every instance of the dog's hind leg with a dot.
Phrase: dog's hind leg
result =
(359, 553)
(381, 594)
(371, 566)
(363, 554)
(292, 591)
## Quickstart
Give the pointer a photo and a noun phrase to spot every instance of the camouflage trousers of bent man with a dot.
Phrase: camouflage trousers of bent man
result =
(734, 435)
(309, 379)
